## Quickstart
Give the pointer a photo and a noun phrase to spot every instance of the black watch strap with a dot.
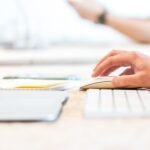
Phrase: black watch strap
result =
(102, 18)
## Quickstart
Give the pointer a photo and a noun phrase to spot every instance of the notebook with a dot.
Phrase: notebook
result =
(31, 105)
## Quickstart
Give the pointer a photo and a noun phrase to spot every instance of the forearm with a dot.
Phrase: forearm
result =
(138, 30)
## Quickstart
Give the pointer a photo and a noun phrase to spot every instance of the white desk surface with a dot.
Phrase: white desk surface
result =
(72, 131)
(63, 55)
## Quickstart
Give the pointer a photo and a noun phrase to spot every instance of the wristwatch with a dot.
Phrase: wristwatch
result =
(102, 18)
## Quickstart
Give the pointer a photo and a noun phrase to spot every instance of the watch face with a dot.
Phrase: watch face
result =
(102, 18)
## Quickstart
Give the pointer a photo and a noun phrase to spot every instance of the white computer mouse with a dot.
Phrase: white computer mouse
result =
(98, 83)
(102, 83)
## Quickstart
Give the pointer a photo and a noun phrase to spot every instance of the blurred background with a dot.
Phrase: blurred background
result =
(43, 23)
(56, 32)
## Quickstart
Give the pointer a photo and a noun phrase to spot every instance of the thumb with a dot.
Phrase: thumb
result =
(126, 81)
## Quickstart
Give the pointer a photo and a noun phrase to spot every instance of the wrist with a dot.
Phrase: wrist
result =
(112, 20)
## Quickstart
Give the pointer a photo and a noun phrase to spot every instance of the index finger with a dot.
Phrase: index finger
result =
(123, 59)
(112, 53)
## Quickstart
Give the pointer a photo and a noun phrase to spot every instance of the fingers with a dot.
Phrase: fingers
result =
(112, 53)
(127, 81)
(128, 71)
(72, 2)
(107, 72)
(123, 59)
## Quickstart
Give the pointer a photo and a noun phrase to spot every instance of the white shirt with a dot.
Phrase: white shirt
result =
(39, 23)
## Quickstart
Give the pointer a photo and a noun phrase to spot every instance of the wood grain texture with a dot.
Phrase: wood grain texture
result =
(73, 131)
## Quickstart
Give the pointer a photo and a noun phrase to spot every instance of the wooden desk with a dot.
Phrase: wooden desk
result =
(72, 131)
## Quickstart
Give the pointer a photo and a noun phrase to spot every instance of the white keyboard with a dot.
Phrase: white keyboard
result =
(117, 103)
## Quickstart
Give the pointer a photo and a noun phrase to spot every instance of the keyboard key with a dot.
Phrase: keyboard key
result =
(106, 101)
(121, 104)
(134, 101)
(92, 102)
(117, 103)
(145, 97)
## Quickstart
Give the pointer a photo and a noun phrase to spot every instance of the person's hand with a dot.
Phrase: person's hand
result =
(137, 75)
(87, 9)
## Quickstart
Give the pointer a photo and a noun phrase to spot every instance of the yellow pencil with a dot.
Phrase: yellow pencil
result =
(40, 86)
